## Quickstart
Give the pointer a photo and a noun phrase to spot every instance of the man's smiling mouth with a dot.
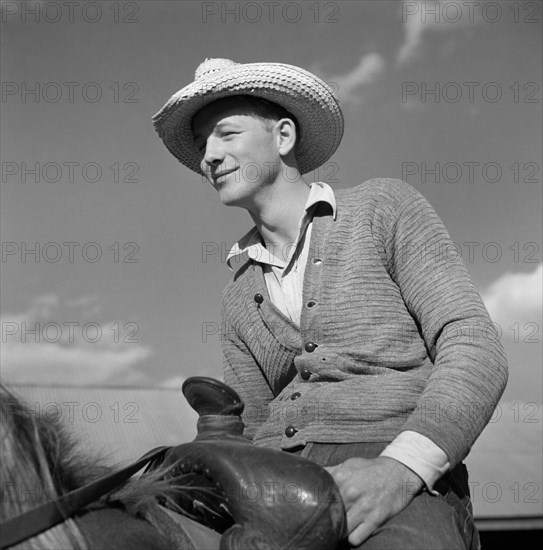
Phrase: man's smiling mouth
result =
(218, 175)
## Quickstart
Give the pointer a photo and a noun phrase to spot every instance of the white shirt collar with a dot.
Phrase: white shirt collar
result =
(251, 243)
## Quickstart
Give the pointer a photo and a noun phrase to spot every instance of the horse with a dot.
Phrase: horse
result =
(41, 462)
(188, 498)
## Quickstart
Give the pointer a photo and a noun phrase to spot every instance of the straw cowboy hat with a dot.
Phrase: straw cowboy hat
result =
(308, 98)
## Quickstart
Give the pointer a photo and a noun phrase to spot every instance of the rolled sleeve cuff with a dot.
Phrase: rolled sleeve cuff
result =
(419, 454)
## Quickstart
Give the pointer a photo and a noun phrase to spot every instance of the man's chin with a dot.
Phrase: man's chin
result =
(228, 199)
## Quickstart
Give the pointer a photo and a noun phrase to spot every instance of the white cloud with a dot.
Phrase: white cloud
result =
(420, 17)
(174, 382)
(349, 85)
(516, 298)
(83, 363)
(55, 342)
(89, 305)
(414, 29)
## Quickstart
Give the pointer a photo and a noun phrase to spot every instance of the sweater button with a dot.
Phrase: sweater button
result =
(295, 395)
(317, 261)
(311, 303)
(258, 298)
(305, 374)
(310, 347)
(290, 431)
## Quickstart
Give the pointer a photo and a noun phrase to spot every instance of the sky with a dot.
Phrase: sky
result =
(113, 253)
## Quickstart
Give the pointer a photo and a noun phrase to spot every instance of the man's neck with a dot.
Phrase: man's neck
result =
(279, 214)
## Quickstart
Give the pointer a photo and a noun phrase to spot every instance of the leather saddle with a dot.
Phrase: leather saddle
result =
(255, 497)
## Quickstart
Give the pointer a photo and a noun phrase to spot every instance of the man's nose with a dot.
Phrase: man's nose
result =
(214, 154)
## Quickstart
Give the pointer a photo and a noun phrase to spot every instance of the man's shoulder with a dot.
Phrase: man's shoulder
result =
(379, 187)
(377, 194)
(235, 287)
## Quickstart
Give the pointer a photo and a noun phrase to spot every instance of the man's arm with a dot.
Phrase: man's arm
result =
(421, 455)
(470, 368)
(469, 372)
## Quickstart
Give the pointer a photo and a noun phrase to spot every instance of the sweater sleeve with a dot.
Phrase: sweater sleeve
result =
(470, 368)
(242, 373)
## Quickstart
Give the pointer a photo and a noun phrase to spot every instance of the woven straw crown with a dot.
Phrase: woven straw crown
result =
(308, 98)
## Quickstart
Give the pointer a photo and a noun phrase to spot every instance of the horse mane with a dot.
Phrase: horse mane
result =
(41, 461)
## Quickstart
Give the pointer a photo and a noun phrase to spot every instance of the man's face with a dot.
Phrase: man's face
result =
(239, 152)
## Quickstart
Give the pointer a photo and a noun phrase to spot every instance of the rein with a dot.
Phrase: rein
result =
(35, 521)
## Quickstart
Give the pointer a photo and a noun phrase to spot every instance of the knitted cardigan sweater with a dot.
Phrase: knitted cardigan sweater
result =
(393, 335)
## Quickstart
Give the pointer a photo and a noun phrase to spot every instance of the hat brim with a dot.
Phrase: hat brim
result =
(309, 99)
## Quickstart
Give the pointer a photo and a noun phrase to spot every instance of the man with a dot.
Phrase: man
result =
(351, 328)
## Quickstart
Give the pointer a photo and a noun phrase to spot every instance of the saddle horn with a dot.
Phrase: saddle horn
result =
(256, 497)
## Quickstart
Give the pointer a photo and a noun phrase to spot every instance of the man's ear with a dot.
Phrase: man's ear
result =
(286, 136)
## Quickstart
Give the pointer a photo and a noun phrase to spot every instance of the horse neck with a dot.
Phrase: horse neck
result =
(116, 528)
(32, 449)
(40, 462)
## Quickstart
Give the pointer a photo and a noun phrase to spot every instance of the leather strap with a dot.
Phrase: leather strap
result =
(35, 521)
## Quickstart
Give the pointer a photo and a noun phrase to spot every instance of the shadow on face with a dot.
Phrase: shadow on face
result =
(205, 120)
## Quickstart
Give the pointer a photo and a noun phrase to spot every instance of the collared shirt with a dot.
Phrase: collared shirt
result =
(284, 267)
(284, 273)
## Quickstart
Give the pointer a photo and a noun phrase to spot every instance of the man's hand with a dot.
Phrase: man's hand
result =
(373, 490)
